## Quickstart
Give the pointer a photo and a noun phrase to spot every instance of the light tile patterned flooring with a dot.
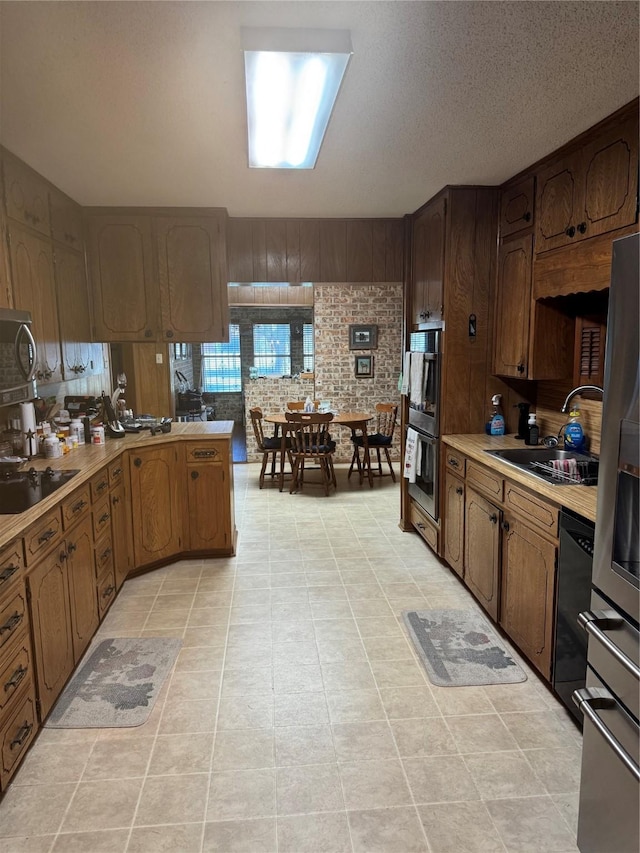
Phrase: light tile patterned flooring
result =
(297, 718)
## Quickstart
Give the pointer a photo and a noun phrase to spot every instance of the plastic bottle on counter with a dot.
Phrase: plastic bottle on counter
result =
(52, 447)
(495, 421)
(533, 432)
(76, 427)
(573, 433)
(97, 434)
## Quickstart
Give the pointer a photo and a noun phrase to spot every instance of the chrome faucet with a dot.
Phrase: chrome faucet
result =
(579, 390)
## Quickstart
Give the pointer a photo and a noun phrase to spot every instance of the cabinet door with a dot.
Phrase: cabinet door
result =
(482, 551)
(193, 278)
(208, 496)
(26, 195)
(122, 532)
(516, 207)
(610, 166)
(73, 307)
(528, 583)
(122, 277)
(559, 195)
(34, 291)
(156, 497)
(66, 220)
(513, 307)
(454, 523)
(48, 589)
(6, 293)
(82, 587)
(428, 262)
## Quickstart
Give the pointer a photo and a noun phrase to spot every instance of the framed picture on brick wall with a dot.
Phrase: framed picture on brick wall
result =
(363, 337)
(364, 367)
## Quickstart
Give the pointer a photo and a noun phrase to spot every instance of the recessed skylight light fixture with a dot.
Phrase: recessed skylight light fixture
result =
(292, 80)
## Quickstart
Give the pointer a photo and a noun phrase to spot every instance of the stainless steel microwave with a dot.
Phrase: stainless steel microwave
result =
(17, 357)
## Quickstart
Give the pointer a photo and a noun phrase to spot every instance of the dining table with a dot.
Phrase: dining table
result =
(353, 420)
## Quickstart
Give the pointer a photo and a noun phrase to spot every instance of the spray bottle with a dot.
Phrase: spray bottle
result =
(495, 422)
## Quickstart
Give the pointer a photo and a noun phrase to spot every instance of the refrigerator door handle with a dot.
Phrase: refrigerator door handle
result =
(594, 623)
(588, 700)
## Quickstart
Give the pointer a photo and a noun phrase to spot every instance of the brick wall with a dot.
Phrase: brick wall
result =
(271, 395)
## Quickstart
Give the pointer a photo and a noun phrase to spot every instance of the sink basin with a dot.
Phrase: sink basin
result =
(552, 465)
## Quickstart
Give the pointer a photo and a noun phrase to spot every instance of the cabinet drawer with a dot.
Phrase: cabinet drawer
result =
(99, 485)
(533, 509)
(425, 527)
(485, 480)
(455, 461)
(16, 735)
(76, 506)
(101, 518)
(13, 615)
(103, 555)
(16, 670)
(11, 564)
(42, 536)
(106, 591)
(205, 451)
(116, 472)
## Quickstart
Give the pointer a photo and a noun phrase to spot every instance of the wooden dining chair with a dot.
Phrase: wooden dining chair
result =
(379, 441)
(298, 405)
(310, 441)
(269, 446)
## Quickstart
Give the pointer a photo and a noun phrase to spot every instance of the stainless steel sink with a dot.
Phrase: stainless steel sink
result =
(552, 464)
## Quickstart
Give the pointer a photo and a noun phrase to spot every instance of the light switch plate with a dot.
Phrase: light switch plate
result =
(159, 358)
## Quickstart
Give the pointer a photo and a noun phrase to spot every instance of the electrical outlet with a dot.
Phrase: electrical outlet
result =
(158, 358)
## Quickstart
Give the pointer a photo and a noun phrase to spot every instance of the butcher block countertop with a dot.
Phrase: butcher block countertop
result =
(580, 499)
(91, 459)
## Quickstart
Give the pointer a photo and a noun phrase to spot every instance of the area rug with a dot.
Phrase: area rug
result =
(459, 647)
(116, 685)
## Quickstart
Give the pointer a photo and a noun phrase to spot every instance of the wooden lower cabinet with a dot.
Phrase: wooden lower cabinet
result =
(122, 533)
(82, 586)
(529, 564)
(17, 733)
(208, 527)
(454, 523)
(157, 503)
(50, 612)
(482, 550)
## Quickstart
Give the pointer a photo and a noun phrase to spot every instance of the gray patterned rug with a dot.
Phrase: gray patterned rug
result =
(459, 647)
(116, 685)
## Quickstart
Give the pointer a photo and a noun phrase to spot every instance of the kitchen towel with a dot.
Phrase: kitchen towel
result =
(406, 371)
(28, 429)
(412, 454)
(416, 379)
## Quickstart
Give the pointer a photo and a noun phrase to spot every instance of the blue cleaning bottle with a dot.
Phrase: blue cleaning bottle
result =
(573, 433)
(495, 422)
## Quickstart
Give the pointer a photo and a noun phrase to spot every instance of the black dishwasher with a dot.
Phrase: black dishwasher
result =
(574, 595)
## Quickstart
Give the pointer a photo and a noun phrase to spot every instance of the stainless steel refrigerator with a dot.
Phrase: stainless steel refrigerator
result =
(609, 817)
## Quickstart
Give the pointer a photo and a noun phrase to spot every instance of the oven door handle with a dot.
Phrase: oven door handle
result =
(594, 622)
(588, 700)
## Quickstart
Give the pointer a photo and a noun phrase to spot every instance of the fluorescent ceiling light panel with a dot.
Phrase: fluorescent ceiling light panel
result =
(292, 81)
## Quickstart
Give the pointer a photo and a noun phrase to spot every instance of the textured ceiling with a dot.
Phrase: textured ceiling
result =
(141, 103)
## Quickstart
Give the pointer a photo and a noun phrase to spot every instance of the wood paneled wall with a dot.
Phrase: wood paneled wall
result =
(328, 250)
(274, 295)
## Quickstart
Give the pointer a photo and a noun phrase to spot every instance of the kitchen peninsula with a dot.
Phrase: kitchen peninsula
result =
(136, 503)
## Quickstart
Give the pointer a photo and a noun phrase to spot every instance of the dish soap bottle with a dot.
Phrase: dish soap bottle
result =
(532, 431)
(573, 432)
(495, 424)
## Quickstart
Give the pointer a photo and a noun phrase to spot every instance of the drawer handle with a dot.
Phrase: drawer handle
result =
(454, 463)
(104, 518)
(459, 490)
(22, 735)
(420, 526)
(108, 591)
(46, 536)
(588, 700)
(80, 505)
(117, 471)
(115, 500)
(105, 553)
(11, 622)
(595, 624)
(101, 486)
(204, 454)
(16, 678)
(8, 572)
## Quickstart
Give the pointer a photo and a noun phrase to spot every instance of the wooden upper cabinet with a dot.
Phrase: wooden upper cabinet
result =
(73, 313)
(34, 291)
(517, 206)
(66, 220)
(122, 277)
(26, 195)
(591, 190)
(513, 307)
(428, 246)
(192, 275)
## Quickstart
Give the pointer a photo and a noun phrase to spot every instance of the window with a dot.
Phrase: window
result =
(221, 364)
(307, 347)
(272, 349)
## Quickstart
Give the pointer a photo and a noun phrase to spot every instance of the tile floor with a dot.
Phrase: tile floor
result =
(297, 719)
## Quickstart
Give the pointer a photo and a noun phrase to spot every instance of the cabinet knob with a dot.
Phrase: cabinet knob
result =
(505, 526)
(71, 547)
(195, 475)
(493, 518)
(115, 500)
(570, 231)
(582, 227)
(137, 462)
(63, 556)
(148, 333)
(169, 333)
(520, 368)
(459, 490)
(527, 216)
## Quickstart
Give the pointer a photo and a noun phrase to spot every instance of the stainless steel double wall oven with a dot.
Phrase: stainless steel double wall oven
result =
(424, 418)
